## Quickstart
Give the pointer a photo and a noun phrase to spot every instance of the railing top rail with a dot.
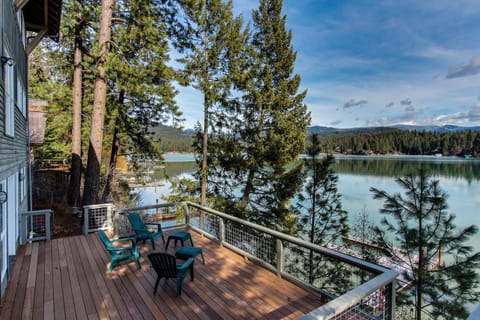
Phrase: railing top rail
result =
(37, 212)
(351, 298)
(325, 251)
(154, 206)
(100, 205)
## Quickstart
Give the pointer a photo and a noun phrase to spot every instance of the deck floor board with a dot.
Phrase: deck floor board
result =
(68, 278)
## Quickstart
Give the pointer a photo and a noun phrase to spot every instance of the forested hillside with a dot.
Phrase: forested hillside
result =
(173, 140)
(397, 141)
(446, 140)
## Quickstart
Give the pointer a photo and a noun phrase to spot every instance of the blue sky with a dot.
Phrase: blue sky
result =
(372, 63)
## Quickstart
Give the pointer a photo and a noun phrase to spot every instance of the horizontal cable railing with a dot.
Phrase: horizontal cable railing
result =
(353, 288)
(36, 225)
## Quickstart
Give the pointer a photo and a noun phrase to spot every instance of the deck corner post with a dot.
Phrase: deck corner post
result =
(391, 301)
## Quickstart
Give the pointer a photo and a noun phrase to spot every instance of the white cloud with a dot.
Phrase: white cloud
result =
(472, 115)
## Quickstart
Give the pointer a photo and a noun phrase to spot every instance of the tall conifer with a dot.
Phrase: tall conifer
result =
(140, 83)
(211, 48)
(440, 267)
(262, 130)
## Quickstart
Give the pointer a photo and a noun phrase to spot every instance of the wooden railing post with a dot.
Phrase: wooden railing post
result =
(280, 256)
(85, 221)
(48, 225)
(202, 220)
(187, 214)
(221, 231)
(23, 228)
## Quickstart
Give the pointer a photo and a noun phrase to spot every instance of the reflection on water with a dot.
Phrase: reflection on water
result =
(445, 167)
(459, 178)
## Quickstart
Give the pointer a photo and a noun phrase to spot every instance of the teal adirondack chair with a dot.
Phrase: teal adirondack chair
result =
(120, 254)
(165, 265)
(142, 231)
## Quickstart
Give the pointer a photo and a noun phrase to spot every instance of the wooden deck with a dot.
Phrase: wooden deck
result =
(67, 278)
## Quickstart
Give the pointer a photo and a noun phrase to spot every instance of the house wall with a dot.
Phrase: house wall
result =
(13, 147)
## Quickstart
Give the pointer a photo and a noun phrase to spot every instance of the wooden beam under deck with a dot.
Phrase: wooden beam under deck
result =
(67, 278)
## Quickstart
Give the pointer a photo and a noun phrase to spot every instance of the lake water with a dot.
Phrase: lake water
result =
(459, 178)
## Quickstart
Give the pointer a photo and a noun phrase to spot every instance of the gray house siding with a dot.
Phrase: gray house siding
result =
(13, 148)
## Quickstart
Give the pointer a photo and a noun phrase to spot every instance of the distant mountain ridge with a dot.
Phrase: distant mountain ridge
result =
(181, 140)
(329, 130)
(437, 129)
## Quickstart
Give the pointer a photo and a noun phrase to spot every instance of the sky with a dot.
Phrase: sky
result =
(379, 63)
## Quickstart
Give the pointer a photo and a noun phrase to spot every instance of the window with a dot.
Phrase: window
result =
(23, 186)
(9, 80)
(21, 103)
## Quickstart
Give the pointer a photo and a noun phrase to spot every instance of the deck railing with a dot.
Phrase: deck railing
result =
(356, 289)
(36, 225)
(97, 217)
(352, 288)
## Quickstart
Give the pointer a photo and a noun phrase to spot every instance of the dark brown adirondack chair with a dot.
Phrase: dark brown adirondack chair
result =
(166, 267)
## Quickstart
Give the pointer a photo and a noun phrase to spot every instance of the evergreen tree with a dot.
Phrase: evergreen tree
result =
(214, 42)
(47, 82)
(140, 83)
(364, 231)
(76, 27)
(421, 233)
(321, 217)
(92, 175)
(322, 220)
(260, 134)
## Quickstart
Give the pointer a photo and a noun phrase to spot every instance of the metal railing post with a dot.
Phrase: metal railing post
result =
(391, 301)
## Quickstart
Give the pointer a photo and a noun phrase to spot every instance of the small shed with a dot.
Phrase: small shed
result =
(37, 121)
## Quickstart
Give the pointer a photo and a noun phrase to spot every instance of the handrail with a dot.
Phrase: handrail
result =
(153, 206)
(353, 297)
(328, 252)
(385, 277)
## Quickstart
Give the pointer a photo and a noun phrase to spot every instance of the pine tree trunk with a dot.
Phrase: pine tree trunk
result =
(113, 156)
(206, 104)
(111, 167)
(203, 191)
(76, 167)
(92, 177)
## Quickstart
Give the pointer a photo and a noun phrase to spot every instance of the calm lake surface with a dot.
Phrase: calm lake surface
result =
(459, 178)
